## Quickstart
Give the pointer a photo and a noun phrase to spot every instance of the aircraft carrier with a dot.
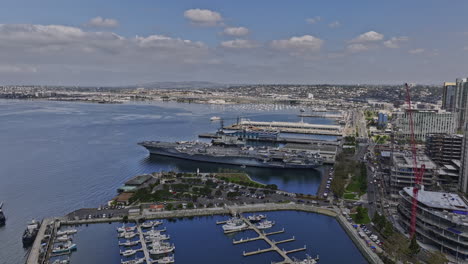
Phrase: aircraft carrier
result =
(235, 153)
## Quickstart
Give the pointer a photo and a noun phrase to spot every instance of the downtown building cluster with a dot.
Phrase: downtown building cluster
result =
(442, 207)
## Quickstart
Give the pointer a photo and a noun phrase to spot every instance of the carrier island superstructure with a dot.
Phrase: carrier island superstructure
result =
(234, 152)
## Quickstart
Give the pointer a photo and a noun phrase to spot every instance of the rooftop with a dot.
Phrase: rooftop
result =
(138, 180)
(123, 197)
(406, 160)
(439, 200)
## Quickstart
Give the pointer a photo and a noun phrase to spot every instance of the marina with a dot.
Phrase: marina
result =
(136, 252)
(262, 236)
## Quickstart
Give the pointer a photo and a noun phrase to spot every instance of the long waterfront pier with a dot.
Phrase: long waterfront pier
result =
(288, 127)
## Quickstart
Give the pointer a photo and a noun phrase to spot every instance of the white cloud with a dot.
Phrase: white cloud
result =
(357, 47)
(102, 22)
(203, 17)
(298, 44)
(53, 44)
(17, 69)
(334, 24)
(236, 31)
(394, 43)
(416, 51)
(370, 36)
(313, 20)
(239, 44)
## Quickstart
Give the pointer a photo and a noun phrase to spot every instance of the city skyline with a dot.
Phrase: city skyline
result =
(88, 43)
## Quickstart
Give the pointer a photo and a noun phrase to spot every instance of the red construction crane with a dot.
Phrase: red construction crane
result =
(417, 172)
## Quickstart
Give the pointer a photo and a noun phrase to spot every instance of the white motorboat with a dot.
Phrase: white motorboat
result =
(165, 260)
(234, 224)
(133, 261)
(154, 232)
(126, 229)
(155, 244)
(67, 232)
(307, 260)
(127, 235)
(63, 238)
(265, 224)
(128, 252)
(129, 243)
(152, 238)
(66, 248)
(150, 224)
(256, 218)
(162, 249)
(215, 118)
(61, 261)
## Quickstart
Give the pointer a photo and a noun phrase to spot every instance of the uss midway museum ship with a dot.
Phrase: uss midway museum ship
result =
(229, 150)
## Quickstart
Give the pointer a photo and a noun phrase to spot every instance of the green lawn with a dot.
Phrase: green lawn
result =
(353, 186)
(366, 220)
(350, 196)
(240, 178)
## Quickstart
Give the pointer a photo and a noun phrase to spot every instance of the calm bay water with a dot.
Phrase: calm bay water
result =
(57, 157)
(200, 240)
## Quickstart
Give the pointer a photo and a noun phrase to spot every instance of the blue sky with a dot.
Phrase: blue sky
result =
(302, 41)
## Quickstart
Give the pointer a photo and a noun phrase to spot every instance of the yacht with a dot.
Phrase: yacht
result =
(307, 260)
(154, 232)
(165, 260)
(162, 249)
(61, 261)
(234, 224)
(265, 224)
(63, 238)
(150, 224)
(128, 252)
(127, 235)
(129, 243)
(67, 232)
(30, 233)
(133, 261)
(65, 248)
(256, 218)
(153, 238)
(126, 228)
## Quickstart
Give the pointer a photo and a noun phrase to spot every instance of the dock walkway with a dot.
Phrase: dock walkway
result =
(33, 257)
(273, 244)
(143, 245)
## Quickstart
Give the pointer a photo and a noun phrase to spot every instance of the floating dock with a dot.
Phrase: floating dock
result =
(143, 245)
(264, 236)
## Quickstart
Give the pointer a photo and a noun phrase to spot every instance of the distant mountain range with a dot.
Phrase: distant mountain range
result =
(179, 85)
